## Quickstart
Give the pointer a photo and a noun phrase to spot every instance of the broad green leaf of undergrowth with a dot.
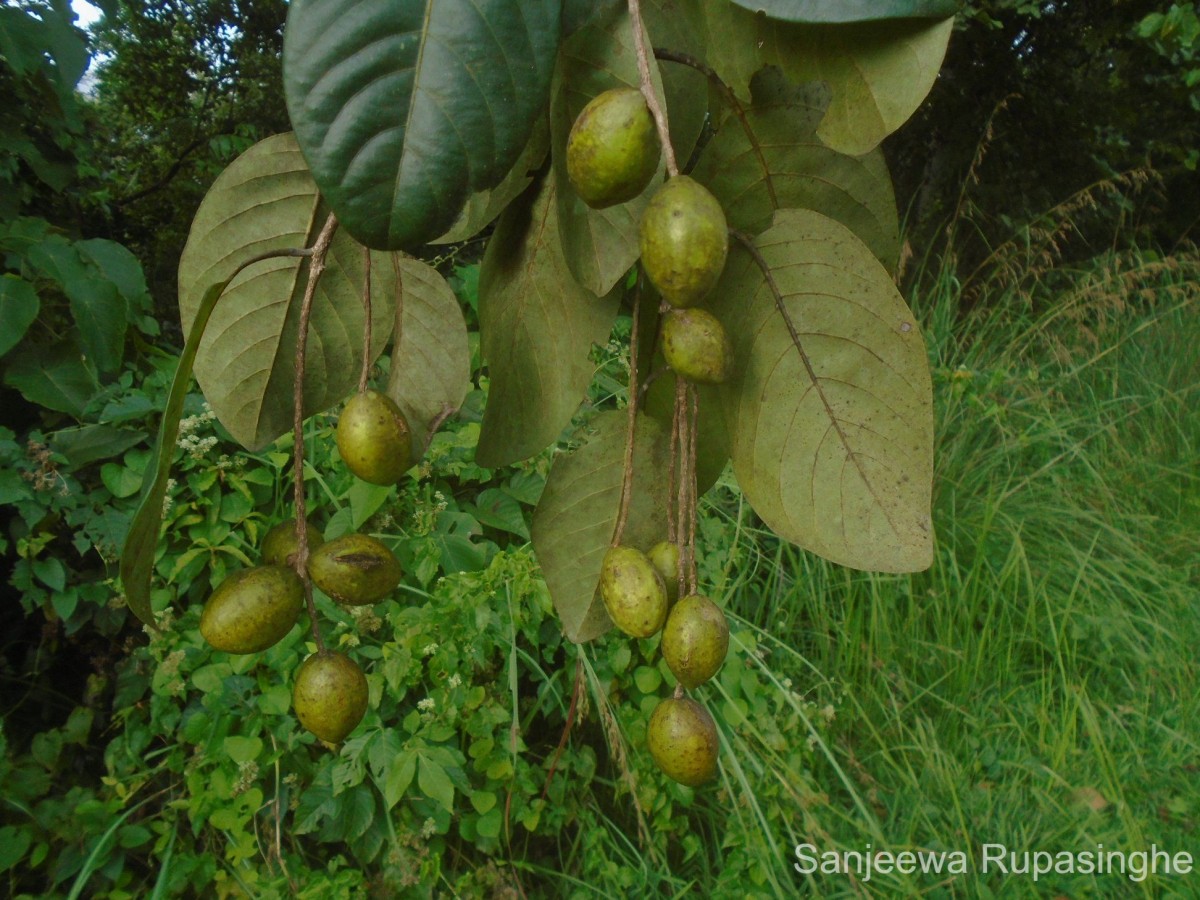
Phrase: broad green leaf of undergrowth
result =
(878, 72)
(405, 107)
(599, 245)
(833, 11)
(771, 159)
(19, 306)
(576, 516)
(537, 327)
(830, 408)
(267, 201)
(431, 356)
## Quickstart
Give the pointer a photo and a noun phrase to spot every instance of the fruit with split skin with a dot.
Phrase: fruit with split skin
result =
(633, 591)
(355, 569)
(684, 241)
(330, 695)
(252, 609)
(695, 640)
(665, 556)
(613, 148)
(280, 542)
(682, 738)
(696, 346)
(374, 439)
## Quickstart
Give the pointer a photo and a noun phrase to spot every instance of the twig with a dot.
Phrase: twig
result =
(319, 251)
(366, 344)
(631, 427)
(656, 108)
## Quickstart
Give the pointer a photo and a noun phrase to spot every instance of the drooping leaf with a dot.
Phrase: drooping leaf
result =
(404, 107)
(769, 158)
(431, 357)
(58, 377)
(266, 201)
(830, 409)
(577, 514)
(537, 326)
(19, 306)
(833, 11)
(878, 72)
(599, 244)
(483, 206)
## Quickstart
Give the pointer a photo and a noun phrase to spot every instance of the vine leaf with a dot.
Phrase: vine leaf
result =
(830, 410)
(266, 200)
(832, 11)
(537, 326)
(577, 514)
(878, 72)
(599, 245)
(431, 354)
(770, 158)
(404, 108)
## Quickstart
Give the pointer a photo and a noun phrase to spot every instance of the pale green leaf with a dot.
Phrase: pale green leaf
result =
(576, 517)
(266, 201)
(537, 327)
(831, 11)
(431, 356)
(832, 426)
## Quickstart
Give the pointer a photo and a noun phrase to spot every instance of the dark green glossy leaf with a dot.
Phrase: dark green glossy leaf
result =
(58, 377)
(834, 11)
(537, 327)
(575, 519)
(19, 307)
(404, 107)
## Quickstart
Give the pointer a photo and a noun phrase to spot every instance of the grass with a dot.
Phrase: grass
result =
(1037, 687)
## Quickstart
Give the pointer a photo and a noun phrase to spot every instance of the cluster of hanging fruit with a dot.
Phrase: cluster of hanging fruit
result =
(253, 609)
(613, 152)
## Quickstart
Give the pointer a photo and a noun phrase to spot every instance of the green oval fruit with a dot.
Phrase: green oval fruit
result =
(373, 438)
(696, 346)
(684, 240)
(633, 591)
(695, 640)
(613, 148)
(280, 542)
(330, 695)
(355, 569)
(665, 557)
(683, 740)
(252, 609)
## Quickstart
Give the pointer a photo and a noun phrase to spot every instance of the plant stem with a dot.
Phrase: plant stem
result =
(317, 266)
(647, 84)
(631, 428)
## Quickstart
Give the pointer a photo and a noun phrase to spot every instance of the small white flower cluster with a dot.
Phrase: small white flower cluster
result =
(191, 442)
(426, 705)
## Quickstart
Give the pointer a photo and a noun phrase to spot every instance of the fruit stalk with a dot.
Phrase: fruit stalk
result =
(316, 266)
(627, 476)
(647, 84)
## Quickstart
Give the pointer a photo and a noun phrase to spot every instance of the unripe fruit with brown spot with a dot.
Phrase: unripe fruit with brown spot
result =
(280, 542)
(684, 241)
(613, 148)
(355, 569)
(252, 609)
(633, 592)
(665, 557)
(695, 640)
(696, 346)
(373, 438)
(682, 738)
(330, 695)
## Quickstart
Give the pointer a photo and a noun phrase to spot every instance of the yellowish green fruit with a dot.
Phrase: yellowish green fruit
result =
(280, 542)
(665, 557)
(696, 346)
(682, 738)
(633, 592)
(330, 695)
(252, 609)
(684, 241)
(355, 569)
(373, 438)
(695, 640)
(613, 148)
